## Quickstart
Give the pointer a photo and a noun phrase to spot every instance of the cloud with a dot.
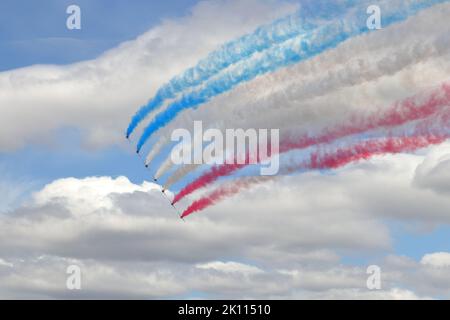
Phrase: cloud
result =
(88, 193)
(45, 277)
(392, 294)
(386, 187)
(434, 172)
(283, 240)
(100, 218)
(4, 263)
(98, 97)
(230, 267)
(438, 259)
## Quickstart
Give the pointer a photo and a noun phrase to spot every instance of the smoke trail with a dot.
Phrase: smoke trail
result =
(349, 75)
(312, 13)
(166, 165)
(290, 52)
(220, 194)
(331, 160)
(383, 56)
(278, 109)
(180, 173)
(410, 109)
(156, 148)
(208, 178)
(377, 54)
(185, 169)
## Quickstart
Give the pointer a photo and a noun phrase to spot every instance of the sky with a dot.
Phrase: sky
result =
(74, 192)
(35, 32)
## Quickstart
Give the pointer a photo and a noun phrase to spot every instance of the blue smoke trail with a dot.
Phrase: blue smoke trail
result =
(293, 51)
(312, 13)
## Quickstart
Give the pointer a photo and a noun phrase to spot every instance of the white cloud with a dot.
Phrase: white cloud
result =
(4, 263)
(88, 193)
(434, 172)
(438, 259)
(230, 267)
(102, 217)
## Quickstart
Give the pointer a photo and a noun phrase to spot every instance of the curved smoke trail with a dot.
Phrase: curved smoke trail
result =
(183, 170)
(330, 160)
(364, 59)
(309, 17)
(293, 51)
(383, 56)
(165, 166)
(220, 194)
(179, 174)
(349, 75)
(156, 149)
(410, 109)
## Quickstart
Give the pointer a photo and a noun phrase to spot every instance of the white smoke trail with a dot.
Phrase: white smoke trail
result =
(184, 170)
(156, 149)
(179, 174)
(165, 166)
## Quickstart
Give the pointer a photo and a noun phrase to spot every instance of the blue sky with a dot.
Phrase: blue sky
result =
(34, 32)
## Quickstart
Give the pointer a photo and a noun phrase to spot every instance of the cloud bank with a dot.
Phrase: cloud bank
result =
(129, 244)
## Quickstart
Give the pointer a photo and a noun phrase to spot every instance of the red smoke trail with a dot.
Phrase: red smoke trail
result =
(331, 160)
(410, 109)
(209, 177)
(220, 194)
